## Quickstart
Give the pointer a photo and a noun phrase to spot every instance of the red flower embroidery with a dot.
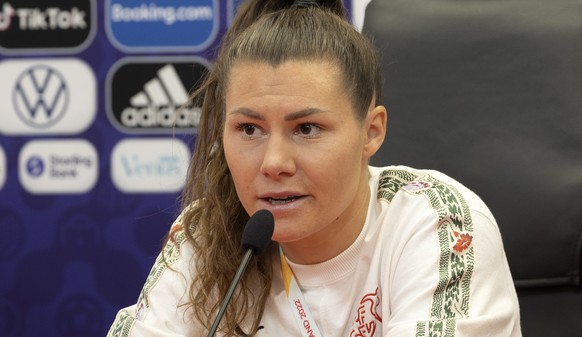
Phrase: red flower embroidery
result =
(463, 242)
(416, 186)
(173, 231)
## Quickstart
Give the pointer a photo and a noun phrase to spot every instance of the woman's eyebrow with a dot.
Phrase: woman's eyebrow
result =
(290, 117)
(303, 113)
(247, 112)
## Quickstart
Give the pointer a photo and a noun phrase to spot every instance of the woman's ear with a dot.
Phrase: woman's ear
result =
(375, 129)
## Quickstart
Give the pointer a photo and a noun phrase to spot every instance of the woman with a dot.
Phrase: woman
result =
(290, 120)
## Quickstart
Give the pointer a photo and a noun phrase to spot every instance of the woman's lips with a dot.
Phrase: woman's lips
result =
(282, 201)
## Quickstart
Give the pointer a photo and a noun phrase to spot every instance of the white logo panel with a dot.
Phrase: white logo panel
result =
(359, 13)
(58, 166)
(46, 96)
(149, 165)
(3, 167)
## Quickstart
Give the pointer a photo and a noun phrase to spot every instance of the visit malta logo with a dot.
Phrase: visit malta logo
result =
(368, 317)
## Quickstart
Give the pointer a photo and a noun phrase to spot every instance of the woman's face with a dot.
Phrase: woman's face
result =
(294, 147)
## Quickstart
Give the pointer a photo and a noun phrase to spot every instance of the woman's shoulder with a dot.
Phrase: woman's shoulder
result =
(442, 191)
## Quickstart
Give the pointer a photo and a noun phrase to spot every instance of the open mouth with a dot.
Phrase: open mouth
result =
(281, 201)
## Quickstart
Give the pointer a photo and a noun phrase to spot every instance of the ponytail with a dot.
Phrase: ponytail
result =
(251, 10)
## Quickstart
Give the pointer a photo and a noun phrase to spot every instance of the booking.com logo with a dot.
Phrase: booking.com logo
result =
(173, 24)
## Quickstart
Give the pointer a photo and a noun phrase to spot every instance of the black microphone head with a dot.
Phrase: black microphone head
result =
(258, 231)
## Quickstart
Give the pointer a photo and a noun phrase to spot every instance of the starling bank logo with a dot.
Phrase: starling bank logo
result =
(149, 165)
(46, 96)
(58, 166)
(152, 97)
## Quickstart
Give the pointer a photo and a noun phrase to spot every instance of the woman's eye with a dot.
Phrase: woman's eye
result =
(248, 129)
(310, 130)
(305, 129)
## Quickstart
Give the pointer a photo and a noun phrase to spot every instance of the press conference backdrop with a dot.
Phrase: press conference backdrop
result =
(94, 147)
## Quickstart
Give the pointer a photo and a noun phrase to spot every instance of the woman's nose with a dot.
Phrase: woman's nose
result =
(279, 157)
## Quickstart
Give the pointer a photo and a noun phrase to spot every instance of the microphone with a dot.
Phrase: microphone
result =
(256, 237)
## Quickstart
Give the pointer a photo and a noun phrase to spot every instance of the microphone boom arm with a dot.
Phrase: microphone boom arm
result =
(239, 273)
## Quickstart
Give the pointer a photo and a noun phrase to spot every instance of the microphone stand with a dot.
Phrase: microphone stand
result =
(230, 292)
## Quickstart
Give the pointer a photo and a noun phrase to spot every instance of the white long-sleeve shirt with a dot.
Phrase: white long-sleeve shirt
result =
(428, 262)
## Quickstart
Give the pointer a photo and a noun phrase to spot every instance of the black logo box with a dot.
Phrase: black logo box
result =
(128, 77)
(32, 35)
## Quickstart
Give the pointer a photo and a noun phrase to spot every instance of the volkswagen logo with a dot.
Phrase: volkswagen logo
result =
(40, 96)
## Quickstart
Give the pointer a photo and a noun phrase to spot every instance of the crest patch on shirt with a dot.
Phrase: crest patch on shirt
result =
(368, 316)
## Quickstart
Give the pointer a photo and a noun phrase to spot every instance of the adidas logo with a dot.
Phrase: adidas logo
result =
(160, 103)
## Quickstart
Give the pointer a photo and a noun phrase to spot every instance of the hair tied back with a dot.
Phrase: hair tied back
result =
(304, 3)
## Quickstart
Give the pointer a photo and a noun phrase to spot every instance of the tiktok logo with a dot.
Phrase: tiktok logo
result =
(52, 18)
(6, 17)
(34, 25)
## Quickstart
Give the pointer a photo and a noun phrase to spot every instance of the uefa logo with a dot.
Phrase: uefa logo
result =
(40, 96)
(46, 96)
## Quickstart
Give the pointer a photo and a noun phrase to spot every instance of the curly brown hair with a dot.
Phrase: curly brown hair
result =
(274, 32)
